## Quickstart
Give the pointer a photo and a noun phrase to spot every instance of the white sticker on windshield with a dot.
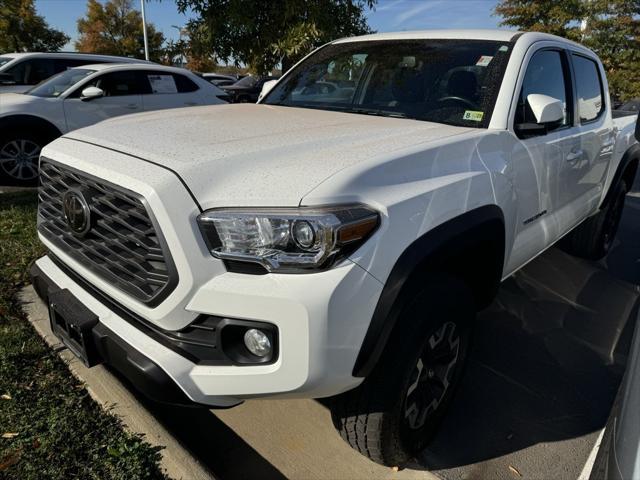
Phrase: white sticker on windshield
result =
(484, 61)
(473, 115)
(162, 84)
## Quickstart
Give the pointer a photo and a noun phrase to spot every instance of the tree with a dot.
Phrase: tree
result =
(22, 30)
(270, 33)
(611, 29)
(115, 28)
(613, 32)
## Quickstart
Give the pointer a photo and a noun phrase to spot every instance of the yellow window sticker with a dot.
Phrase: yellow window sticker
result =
(473, 115)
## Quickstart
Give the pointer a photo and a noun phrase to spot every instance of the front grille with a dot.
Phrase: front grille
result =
(122, 245)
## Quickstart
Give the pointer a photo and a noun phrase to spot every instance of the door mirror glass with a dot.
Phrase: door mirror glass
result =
(546, 110)
(266, 88)
(91, 93)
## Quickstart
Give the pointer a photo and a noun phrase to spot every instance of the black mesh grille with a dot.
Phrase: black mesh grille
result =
(122, 245)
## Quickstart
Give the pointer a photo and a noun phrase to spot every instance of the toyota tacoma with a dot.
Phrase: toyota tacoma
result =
(337, 238)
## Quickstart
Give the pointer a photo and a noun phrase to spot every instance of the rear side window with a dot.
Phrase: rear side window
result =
(589, 88)
(545, 75)
(158, 82)
(184, 84)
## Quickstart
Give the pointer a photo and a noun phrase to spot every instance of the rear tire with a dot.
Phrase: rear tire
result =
(19, 154)
(594, 237)
(396, 411)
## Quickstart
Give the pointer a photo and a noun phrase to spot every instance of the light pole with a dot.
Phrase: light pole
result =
(144, 32)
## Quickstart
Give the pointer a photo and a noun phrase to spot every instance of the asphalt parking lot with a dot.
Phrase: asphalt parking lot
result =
(547, 359)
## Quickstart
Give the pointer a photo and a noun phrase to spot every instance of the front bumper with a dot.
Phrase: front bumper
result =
(320, 330)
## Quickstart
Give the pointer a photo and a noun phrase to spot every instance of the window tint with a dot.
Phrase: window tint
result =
(185, 84)
(589, 88)
(117, 84)
(159, 82)
(545, 75)
(31, 72)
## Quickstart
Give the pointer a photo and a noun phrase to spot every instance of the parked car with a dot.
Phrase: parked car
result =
(247, 89)
(220, 80)
(86, 95)
(630, 105)
(20, 71)
(337, 243)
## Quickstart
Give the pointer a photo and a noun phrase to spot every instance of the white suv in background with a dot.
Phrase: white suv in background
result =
(86, 95)
(20, 71)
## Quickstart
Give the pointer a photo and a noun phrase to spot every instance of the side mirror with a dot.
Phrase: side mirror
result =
(546, 109)
(91, 93)
(548, 112)
(7, 79)
(266, 88)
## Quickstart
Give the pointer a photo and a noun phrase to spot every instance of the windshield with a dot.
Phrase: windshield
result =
(58, 84)
(447, 81)
(4, 61)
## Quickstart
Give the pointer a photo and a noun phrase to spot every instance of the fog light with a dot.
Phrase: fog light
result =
(257, 342)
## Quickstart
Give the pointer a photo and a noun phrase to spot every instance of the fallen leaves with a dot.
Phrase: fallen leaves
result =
(515, 470)
(10, 460)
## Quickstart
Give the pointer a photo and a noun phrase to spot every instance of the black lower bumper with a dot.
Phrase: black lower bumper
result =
(101, 345)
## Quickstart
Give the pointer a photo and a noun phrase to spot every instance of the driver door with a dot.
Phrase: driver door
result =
(122, 95)
(538, 162)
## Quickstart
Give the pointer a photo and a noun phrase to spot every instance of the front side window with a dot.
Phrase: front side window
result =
(546, 74)
(447, 81)
(118, 84)
(589, 88)
(60, 83)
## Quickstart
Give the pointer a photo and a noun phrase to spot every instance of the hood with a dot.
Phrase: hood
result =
(258, 155)
(14, 101)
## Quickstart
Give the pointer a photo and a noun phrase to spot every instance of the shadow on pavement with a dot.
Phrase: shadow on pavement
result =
(547, 360)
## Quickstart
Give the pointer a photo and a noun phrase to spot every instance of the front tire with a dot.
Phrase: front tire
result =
(594, 237)
(19, 154)
(396, 411)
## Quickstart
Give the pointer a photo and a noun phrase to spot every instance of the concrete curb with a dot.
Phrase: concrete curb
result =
(111, 394)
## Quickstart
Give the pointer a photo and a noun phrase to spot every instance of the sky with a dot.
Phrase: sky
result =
(388, 16)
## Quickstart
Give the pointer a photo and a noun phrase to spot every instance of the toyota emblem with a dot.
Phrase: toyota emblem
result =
(76, 212)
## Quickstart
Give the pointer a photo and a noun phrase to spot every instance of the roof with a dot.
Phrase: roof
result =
(17, 55)
(500, 35)
(98, 67)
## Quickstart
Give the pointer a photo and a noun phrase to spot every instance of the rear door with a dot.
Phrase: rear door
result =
(123, 95)
(587, 164)
(169, 90)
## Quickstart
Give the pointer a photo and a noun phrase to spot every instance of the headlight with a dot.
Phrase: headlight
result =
(287, 239)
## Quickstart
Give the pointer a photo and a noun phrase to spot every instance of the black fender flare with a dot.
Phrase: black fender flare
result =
(438, 250)
(626, 169)
(31, 122)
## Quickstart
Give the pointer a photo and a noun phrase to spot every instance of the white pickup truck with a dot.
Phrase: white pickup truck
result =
(338, 238)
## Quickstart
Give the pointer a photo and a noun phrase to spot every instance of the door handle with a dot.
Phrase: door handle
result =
(132, 106)
(575, 155)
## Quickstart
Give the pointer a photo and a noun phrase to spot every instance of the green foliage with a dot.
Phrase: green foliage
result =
(49, 426)
(22, 30)
(265, 34)
(612, 31)
(115, 28)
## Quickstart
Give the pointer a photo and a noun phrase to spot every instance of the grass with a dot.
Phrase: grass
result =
(49, 426)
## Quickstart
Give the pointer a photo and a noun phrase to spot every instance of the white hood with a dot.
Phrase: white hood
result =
(235, 155)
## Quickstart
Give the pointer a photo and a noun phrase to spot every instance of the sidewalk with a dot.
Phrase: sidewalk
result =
(109, 392)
